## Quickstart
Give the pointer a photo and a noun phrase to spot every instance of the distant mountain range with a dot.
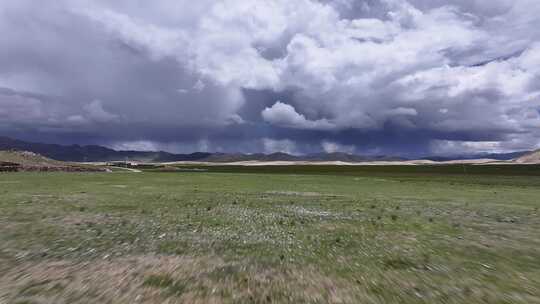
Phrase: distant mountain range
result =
(495, 156)
(77, 153)
(93, 153)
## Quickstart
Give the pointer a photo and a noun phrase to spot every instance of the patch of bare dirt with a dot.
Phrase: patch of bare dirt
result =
(76, 219)
(295, 193)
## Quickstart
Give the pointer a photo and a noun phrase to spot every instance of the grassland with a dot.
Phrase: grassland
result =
(298, 235)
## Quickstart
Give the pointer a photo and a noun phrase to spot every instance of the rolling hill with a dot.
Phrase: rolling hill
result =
(530, 158)
(29, 161)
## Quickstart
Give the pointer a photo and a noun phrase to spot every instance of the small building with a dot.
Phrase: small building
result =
(124, 164)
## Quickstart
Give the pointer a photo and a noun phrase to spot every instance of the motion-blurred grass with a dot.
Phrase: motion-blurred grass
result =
(299, 235)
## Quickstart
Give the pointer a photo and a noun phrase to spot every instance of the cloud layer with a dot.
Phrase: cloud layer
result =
(389, 76)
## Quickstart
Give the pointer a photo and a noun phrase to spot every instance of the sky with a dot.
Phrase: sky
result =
(380, 77)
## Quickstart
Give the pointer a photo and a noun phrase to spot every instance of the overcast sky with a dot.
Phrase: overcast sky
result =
(362, 76)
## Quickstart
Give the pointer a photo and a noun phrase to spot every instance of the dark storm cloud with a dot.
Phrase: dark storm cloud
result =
(385, 76)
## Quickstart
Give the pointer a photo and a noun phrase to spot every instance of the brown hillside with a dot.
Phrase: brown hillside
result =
(531, 158)
(15, 161)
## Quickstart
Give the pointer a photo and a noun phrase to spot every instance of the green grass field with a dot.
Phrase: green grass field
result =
(298, 235)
